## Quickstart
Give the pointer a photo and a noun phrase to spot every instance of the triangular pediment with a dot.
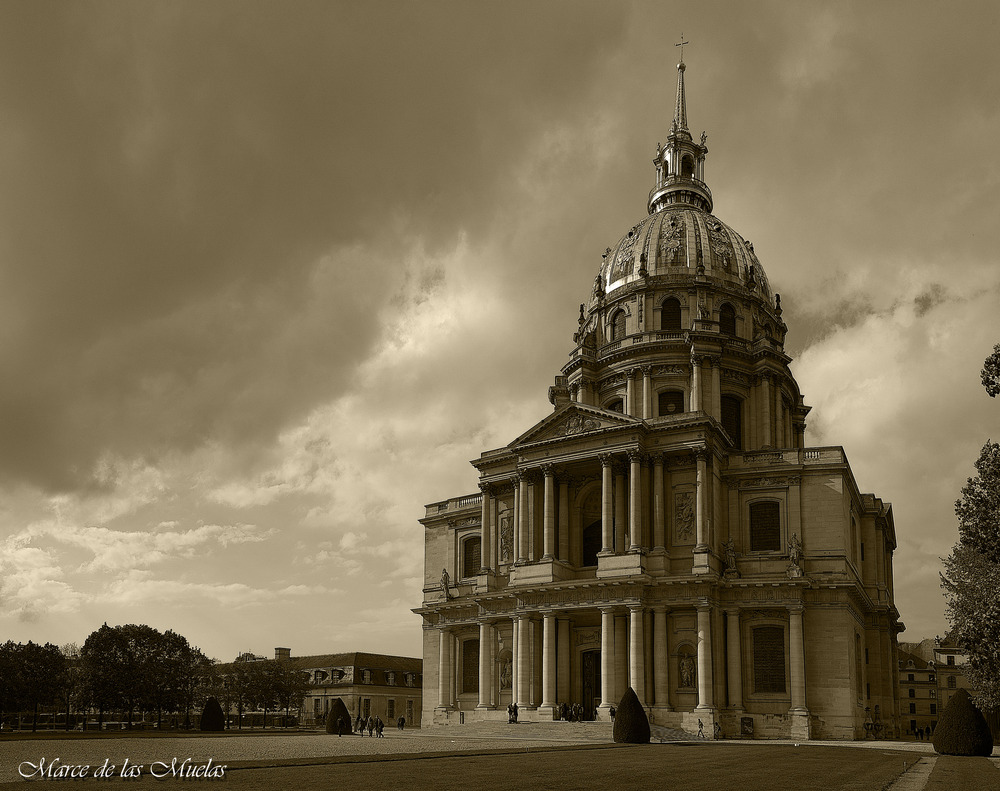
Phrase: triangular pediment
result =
(573, 420)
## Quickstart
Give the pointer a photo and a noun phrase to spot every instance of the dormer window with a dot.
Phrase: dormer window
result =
(618, 326)
(670, 315)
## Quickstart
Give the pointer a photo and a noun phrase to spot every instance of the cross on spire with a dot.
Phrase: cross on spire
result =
(681, 44)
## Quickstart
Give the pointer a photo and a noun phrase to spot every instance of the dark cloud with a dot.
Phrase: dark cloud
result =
(171, 175)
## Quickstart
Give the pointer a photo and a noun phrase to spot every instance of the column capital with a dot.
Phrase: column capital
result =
(660, 608)
(657, 457)
(637, 607)
(797, 608)
(607, 459)
(701, 454)
(548, 469)
(634, 455)
(647, 370)
(732, 611)
(703, 605)
(486, 488)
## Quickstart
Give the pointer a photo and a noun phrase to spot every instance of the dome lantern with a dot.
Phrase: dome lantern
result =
(680, 164)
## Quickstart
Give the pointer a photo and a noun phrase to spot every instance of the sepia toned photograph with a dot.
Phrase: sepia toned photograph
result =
(568, 394)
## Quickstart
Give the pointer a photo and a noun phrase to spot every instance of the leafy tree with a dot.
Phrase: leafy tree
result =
(73, 691)
(10, 690)
(991, 373)
(41, 675)
(972, 571)
(101, 664)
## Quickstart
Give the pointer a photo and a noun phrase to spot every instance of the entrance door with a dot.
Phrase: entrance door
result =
(591, 674)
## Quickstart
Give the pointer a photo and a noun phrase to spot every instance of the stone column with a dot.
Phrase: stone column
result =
(523, 528)
(659, 540)
(705, 701)
(563, 522)
(696, 405)
(635, 500)
(765, 402)
(533, 520)
(607, 657)
(716, 364)
(637, 656)
(647, 391)
(607, 504)
(515, 653)
(562, 660)
(549, 661)
(619, 508)
(630, 393)
(444, 669)
(621, 657)
(735, 655)
(515, 483)
(701, 511)
(796, 655)
(485, 665)
(523, 661)
(779, 420)
(549, 514)
(661, 677)
(486, 530)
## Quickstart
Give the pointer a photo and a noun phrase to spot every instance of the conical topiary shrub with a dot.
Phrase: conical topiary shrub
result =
(338, 711)
(631, 723)
(212, 718)
(962, 729)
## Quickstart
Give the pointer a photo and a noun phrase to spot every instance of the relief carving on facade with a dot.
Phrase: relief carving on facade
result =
(770, 483)
(505, 516)
(588, 636)
(684, 515)
(576, 424)
(672, 235)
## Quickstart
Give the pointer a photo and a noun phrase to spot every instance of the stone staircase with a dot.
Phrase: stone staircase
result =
(575, 732)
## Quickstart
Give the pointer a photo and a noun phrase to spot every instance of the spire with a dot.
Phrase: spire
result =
(680, 164)
(680, 109)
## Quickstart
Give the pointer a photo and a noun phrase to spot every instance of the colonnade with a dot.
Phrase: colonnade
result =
(634, 509)
(631, 636)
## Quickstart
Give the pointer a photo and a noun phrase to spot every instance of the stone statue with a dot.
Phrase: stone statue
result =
(687, 671)
(704, 137)
(795, 549)
(730, 548)
(445, 579)
(505, 674)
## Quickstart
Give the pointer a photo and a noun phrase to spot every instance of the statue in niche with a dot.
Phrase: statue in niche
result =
(506, 534)
(506, 673)
(794, 549)
(445, 581)
(730, 549)
(687, 670)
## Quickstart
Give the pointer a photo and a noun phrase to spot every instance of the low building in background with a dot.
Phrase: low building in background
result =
(369, 684)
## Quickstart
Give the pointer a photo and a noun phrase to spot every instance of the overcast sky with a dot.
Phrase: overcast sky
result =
(271, 274)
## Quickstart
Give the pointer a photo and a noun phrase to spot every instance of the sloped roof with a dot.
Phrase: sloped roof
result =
(359, 659)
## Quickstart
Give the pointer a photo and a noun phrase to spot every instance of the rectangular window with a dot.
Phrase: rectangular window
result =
(472, 550)
(390, 711)
(765, 526)
(769, 659)
(470, 666)
(909, 676)
(367, 707)
(862, 550)
(409, 711)
(912, 693)
(868, 691)
(934, 708)
(913, 708)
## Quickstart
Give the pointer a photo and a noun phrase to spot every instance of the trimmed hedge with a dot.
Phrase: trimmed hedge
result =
(962, 729)
(631, 723)
(338, 711)
(212, 718)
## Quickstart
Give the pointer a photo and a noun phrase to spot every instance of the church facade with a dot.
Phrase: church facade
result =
(666, 528)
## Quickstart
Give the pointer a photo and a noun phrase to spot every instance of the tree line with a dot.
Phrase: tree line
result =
(132, 671)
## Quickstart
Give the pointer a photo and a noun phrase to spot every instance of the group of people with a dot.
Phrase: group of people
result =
(373, 724)
(572, 712)
(512, 713)
(923, 733)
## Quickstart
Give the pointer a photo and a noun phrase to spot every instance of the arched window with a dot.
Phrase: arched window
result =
(671, 402)
(591, 543)
(472, 553)
(670, 315)
(616, 406)
(618, 326)
(687, 166)
(769, 659)
(765, 526)
(727, 320)
(732, 419)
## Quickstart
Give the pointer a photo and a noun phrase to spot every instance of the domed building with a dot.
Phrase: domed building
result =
(666, 528)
